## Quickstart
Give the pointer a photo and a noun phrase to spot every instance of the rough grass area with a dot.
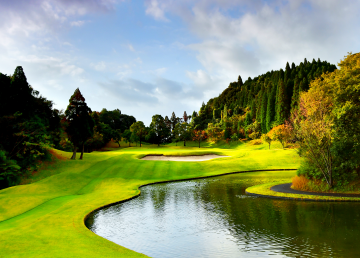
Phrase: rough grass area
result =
(264, 190)
(304, 184)
(46, 217)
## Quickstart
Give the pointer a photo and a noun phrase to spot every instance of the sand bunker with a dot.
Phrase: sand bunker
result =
(183, 158)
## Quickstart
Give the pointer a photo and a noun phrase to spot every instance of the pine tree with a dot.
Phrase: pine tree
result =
(225, 113)
(295, 96)
(253, 109)
(263, 112)
(270, 110)
(287, 75)
(21, 93)
(281, 103)
(240, 82)
(173, 120)
(185, 117)
(81, 124)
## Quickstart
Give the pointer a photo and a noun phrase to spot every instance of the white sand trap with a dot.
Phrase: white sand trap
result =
(183, 158)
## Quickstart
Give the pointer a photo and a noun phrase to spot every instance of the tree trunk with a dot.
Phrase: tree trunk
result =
(140, 142)
(119, 144)
(269, 146)
(82, 151)
(74, 153)
(184, 143)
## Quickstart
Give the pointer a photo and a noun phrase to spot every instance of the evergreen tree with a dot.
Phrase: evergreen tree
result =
(270, 110)
(287, 75)
(21, 93)
(185, 117)
(224, 118)
(253, 110)
(295, 96)
(173, 120)
(240, 82)
(81, 124)
(263, 112)
(281, 103)
(248, 119)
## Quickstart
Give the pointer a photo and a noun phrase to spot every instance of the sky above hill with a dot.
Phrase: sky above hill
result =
(155, 56)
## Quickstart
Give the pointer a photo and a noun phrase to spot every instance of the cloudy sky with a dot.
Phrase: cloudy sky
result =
(159, 56)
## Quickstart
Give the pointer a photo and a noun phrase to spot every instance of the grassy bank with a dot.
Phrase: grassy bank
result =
(45, 218)
(265, 191)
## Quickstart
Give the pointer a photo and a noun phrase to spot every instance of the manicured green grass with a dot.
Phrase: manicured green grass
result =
(264, 189)
(46, 218)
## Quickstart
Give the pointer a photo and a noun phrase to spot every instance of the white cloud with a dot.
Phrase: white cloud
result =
(253, 37)
(155, 9)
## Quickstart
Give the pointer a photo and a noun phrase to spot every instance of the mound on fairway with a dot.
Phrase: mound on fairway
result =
(183, 158)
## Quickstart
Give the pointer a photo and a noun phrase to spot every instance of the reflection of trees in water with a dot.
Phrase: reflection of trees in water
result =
(291, 228)
(296, 228)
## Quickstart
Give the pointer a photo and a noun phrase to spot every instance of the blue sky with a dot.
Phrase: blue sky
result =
(155, 57)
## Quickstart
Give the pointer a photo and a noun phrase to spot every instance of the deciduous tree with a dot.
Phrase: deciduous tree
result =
(160, 129)
(139, 129)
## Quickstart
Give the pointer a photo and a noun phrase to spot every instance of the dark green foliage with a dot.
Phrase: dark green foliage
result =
(28, 124)
(281, 99)
(9, 171)
(81, 125)
(270, 110)
(160, 129)
(263, 112)
(127, 136)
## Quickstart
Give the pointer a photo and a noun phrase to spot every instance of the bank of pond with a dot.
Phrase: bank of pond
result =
(213, 217)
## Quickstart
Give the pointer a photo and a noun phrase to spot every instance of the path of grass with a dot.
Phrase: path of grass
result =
(45, 218)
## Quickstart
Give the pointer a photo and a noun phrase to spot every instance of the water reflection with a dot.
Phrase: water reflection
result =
(214, 218)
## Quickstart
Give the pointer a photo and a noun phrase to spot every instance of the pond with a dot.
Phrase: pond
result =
(215, 218)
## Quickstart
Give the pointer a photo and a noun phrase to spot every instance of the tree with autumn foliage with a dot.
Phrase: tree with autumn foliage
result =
(199, 135)
(327, 125)
(80, 123)
(281, 133)
(214, 132)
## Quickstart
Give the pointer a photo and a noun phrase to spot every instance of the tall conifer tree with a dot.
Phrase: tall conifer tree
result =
(81, 124)
(281, 103)
(263, 111)
(270, 110)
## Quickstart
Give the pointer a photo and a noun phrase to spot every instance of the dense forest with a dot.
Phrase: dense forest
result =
(313, 105)
(255, 107)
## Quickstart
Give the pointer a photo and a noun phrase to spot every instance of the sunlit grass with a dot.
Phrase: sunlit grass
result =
(264, 189)
(45, 218)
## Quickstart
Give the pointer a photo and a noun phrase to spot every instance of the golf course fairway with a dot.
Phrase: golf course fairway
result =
(46, 217)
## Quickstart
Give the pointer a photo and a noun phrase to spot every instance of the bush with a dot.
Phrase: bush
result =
(9, 171)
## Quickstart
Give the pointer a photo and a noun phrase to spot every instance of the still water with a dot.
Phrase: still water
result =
(215, 218)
